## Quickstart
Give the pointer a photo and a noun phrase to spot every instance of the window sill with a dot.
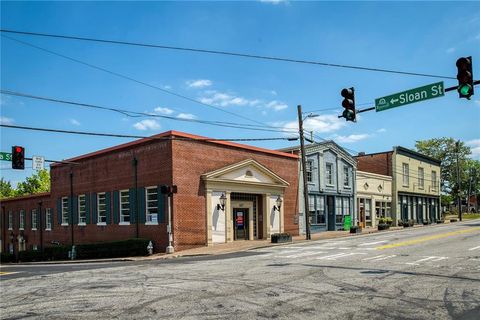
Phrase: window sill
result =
(151, 223)
(82, 224)
(64, 224)
(101, 224)
(124, 223)
(34, 229)
(347, 187)
(10, 229)
(21, 229)
(48, 229)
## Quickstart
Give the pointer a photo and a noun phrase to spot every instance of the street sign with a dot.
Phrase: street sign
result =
(5, 156)
(399, 99)
(38, 163)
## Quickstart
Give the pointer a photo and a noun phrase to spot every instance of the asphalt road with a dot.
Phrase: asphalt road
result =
(421, 273)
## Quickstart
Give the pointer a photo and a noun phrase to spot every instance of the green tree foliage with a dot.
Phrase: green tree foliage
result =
(37, 183)
(6, 189)
(445, 149)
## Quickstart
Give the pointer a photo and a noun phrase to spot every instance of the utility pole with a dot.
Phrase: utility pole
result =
(135, 183)
(304, 173)
(459, 199)
(72, 253)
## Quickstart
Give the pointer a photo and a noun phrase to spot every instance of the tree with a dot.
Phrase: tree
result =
(6, 189)
(445, 150)
(37, 183)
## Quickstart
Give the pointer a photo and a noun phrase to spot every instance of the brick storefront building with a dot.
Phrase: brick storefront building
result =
(114, 194)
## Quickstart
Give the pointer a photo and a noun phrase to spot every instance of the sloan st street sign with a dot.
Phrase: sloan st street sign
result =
(399, 99)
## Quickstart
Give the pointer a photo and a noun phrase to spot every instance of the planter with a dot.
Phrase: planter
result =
(281, 237)
(440, 221)
(426, 222)
(383, 226)
(355, 229)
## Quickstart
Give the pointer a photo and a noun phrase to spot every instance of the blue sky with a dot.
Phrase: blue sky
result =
(424, 37)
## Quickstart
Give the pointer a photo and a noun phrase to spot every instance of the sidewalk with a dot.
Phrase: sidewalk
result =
(231, 247)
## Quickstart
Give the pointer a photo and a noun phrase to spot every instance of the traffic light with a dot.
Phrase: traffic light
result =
(18, 157)
(349, 104)
(465, 77)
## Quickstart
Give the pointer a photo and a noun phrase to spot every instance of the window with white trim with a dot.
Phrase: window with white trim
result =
(82, 210)
(10, 220)
(346, 176)
(48, 219)
(101, 208)
(434, 180)
(151, 205)
(329, 173)
(421, 181)
(405, 172)
(65, 211)
(309, 166)
(125, 207)
(34, 219)
(22, 220)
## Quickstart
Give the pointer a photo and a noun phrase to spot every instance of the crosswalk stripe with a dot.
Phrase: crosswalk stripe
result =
(303, 254)
(432, 258)
(339, 255)
(370, 243)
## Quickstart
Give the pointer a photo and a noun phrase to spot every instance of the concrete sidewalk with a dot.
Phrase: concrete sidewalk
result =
(231, 247)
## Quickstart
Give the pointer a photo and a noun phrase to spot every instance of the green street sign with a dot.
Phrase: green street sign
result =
(5, 156)
(399, 99)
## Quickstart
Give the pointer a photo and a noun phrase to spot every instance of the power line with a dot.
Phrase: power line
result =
(137, 137)
(130, 113)
(244, 55)
(133, 80)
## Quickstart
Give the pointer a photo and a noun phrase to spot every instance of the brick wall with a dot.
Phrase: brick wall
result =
(380, 163)
(192, 159)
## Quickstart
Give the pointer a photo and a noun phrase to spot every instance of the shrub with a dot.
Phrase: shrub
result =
(281, 237)
(385, 220)
(355, 229)
(114, 249)
(29, 255)
(6, 257)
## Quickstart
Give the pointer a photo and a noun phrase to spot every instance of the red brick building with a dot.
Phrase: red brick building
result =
(226, 192)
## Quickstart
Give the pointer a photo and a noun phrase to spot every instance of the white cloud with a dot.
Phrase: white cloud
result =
(5, 120)
(382, 130)
(351, 138)
(274, 1)
(147, 124)
(161, 110)
(188, 116)
(74, 122)
(475, 148)
(201, 83)
(273, 92)
(225, 100)
(477, 102)
(276, 105)
(320, 124)
(451, 50)
(167, 87)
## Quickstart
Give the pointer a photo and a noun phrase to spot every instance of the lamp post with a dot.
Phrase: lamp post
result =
(223, 201)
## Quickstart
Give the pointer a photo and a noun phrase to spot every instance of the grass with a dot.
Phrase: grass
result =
(465, 216)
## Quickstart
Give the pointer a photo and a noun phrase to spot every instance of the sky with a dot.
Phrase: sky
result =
(420, 37)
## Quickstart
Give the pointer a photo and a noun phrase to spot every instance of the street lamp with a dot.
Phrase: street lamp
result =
(278, 204)
(223, 200)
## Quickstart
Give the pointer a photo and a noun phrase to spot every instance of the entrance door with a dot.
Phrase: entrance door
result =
(240, 224)
(331, 213)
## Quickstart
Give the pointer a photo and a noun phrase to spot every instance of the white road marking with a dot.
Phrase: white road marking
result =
(370, 243)
(375, 257)
(385, 258)
(475, 248)
(304, 254)
(432, 258)
(339, 255)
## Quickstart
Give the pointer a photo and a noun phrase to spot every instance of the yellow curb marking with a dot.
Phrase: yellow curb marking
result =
(4, 273)
(419, 240)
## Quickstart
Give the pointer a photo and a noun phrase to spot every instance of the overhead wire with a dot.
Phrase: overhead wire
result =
(130, 113)
(88, 133)
(228, 53)
(117, 74)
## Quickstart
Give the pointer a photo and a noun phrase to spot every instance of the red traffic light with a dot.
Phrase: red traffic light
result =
(18, 157)
(18, 149)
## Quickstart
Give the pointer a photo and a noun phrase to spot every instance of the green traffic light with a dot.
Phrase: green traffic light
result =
(465, 90)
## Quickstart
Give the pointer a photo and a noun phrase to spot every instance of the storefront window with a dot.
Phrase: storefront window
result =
(368, 210)
(338, 210)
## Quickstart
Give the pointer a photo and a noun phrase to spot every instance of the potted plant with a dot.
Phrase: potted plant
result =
(281, 237)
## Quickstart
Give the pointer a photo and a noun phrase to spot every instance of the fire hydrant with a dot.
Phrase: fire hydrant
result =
(150, 248)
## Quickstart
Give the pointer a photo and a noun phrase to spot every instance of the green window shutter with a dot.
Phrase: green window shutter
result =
(132, 203)
(108, 207)
(141, 205)
(59, 211)
(94, 208)
(87, 207)
(74, 207)
(116, 203)
(161, 206)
